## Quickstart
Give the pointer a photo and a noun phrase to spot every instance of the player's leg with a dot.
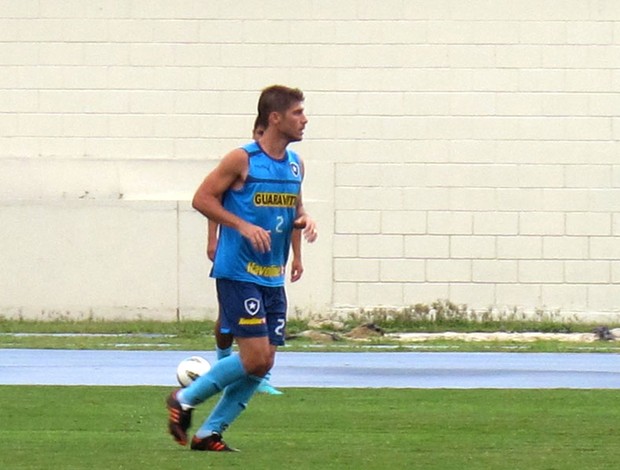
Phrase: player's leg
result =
(276, 305)
(223, 348)
(266, 387)
(223, 338)
(241, 310)
(181, 401)
(245, 312)
(224, 372)
(257, 354)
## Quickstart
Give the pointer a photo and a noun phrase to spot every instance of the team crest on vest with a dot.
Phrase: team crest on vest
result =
(252, 306)
(295, 169)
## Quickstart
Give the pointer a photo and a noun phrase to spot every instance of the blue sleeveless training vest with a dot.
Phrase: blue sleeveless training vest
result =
(268, 199)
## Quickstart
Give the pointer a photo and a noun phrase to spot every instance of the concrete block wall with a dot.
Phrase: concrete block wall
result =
(460, 150)
(490, 175)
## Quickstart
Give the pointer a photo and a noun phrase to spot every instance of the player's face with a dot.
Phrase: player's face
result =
(293, 122)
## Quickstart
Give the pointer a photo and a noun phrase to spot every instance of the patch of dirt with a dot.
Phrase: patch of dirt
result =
(317, 336)
(369, 330)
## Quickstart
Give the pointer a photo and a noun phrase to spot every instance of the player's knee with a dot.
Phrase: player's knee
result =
(259, 369)
(258, 365)
(264, 369)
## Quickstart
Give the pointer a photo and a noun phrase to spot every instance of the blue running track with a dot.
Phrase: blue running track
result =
(314, 369)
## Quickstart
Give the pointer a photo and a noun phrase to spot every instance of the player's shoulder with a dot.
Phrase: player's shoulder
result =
(294, 157)
(236, 160)
(234, 155)
(292, 153)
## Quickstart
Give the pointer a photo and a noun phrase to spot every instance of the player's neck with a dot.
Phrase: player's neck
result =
(274, 146)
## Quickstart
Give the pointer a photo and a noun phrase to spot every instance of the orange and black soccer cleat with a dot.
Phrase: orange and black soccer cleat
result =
(212, 443)
(179, 420)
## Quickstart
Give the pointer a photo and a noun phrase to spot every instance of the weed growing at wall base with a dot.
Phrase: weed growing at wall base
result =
(443, 315)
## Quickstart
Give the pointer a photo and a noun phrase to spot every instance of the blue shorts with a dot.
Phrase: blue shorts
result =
(249, 310)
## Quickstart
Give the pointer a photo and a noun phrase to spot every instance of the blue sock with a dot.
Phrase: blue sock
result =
(224, 372)
(233, 402)
(222, 353)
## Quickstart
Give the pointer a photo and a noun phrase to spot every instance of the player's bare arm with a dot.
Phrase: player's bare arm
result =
(303, 220)
(297, 267)
(211, 239)
(230, 173)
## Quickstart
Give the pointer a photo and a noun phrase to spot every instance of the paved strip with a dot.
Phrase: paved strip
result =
(314, 369)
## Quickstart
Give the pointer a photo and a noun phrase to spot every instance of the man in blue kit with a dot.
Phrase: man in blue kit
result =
(223, 338)
(255, 195)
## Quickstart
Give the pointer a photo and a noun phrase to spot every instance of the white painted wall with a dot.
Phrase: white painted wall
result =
(456, 149)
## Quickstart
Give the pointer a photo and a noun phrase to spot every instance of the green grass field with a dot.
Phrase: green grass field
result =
(124, 428)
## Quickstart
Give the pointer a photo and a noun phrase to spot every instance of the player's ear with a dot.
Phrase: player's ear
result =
(275, 117)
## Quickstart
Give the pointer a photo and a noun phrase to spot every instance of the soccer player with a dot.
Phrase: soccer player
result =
(223, 337)
(255, 195)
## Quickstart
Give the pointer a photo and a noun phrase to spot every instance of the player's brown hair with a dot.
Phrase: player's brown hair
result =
(276, 98)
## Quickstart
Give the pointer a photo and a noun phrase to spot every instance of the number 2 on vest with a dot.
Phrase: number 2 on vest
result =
(279, 224)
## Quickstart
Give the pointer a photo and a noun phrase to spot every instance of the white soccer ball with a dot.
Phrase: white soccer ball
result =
(191, 368)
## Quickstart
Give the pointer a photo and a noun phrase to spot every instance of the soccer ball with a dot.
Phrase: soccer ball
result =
(191, 368)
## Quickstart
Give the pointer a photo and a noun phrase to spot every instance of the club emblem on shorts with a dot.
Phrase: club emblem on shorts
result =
(295, 169)
(252, 305)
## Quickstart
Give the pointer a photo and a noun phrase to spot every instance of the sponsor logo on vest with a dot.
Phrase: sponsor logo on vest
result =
(264, 271)
(275, 200)
(252, 321)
